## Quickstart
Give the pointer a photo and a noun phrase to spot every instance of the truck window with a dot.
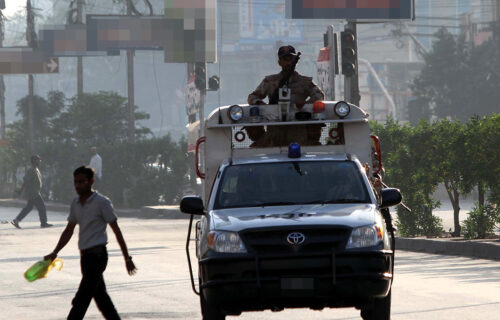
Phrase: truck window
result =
(290, 183)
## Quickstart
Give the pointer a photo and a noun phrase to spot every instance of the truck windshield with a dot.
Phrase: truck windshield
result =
(290, 183)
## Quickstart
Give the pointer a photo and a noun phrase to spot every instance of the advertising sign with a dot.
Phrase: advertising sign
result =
(65, 41)
(110, 32)
(193, 96)
(376, 10)
(264, 21)
(325, 73)
(192, 33)
(20, 60)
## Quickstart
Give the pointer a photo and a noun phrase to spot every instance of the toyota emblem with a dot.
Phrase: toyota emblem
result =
(296, 238)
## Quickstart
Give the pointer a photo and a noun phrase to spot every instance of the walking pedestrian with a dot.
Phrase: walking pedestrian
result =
(96, 164)
(92, 212)
(31, 188)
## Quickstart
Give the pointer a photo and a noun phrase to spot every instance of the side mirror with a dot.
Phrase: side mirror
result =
(192, 205)
(390, 197)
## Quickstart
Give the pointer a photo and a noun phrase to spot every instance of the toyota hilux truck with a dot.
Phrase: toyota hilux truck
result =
(292, 212)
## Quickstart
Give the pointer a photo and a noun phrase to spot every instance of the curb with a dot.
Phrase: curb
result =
(146, 212)
(483, 249)
(162, 212)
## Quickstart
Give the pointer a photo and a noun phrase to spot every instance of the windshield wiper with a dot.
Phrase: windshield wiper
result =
(344, 201)
(276, 203)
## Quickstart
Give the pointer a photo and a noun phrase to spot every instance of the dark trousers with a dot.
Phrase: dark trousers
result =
(37, 201)
(93, 263)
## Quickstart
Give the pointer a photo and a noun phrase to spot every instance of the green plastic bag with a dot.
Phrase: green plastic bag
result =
(41, 268)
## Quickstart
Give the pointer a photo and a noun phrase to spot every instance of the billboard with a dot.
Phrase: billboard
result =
(23, 60)
(192, 36)
(114, 32)
(65, 41)
(366, 10)
(264, 22)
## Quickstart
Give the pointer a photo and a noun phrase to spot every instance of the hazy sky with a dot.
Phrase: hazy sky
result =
(12, 6)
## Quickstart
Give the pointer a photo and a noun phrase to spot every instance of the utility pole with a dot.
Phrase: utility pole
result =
(2, 83)
(79, 59)
(200, 72)
(31, 38)
(130, 86)
(331, 42)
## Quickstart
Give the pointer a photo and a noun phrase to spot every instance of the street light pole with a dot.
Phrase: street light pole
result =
(32, 42)
(2, 83)
(79, 59)
(130, 86)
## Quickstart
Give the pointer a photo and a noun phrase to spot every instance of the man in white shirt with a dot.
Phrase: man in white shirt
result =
(96, 164)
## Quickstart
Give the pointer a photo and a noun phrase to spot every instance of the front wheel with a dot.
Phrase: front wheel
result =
(381, 309)
(208, 311)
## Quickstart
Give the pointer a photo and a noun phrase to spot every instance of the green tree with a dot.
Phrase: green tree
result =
(98, 119)
(443, 81)
(147, 171)
(449, 150)
(408, 159)
(459, 80)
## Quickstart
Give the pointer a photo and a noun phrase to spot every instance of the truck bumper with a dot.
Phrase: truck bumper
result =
(315, 281)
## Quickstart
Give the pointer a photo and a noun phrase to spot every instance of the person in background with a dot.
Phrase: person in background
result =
(92, 212)
(31, 189)
(96, 164)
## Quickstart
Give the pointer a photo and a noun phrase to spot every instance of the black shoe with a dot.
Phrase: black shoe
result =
(46, 225)
(15, 223)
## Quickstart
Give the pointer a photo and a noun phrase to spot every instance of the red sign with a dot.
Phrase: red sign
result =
(325, 73)
(351, 9)
(342, 4)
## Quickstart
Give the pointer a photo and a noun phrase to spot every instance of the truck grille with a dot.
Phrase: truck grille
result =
(274, 241)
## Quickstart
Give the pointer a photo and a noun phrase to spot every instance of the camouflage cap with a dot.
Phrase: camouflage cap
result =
(286, 50)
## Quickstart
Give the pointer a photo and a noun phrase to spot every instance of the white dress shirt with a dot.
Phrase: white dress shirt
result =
(96, 164)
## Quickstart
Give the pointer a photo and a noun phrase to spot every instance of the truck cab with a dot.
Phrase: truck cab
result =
(292, 214)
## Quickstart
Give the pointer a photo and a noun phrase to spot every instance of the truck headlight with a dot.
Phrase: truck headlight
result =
(226, 242)
(367, 236)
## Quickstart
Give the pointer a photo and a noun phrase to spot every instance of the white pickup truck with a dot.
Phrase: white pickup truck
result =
(291, 214)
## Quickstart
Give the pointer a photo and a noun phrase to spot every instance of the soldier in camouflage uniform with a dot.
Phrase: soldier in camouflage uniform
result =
(301, 88)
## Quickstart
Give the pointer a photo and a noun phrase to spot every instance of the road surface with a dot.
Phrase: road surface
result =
(426, 286)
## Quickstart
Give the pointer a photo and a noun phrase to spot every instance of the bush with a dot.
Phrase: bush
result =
(481, 222)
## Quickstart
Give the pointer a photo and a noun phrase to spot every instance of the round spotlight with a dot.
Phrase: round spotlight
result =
(235, 113)
(342, 109)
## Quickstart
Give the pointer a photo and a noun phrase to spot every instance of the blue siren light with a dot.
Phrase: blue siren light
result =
(294, 150)
(254, 112)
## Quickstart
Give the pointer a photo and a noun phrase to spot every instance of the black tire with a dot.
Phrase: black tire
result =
(381, 309)
(210, 312)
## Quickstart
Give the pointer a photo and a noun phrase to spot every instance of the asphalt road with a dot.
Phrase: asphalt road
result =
(426, 286)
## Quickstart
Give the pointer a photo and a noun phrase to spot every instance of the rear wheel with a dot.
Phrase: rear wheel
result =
(210, 312)
(381, 309)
